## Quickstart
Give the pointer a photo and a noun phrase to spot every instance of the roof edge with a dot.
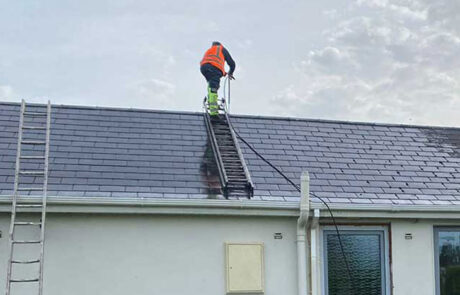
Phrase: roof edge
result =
(205, 207)
(104, 205)
(299, 119)
(84, 107)
(268, 117)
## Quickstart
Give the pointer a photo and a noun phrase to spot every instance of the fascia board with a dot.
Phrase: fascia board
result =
(161, 206)
(103, 205)
(390, 211)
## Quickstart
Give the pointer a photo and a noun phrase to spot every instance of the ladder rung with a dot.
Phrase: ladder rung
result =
(25, 261)
(32, 142)
(33, 157)
(237, 185)
(23, 280)
(26, 241)
(27, 223)
(31, 172)
(30, 189)
(29, 205)
(34, 127)
(35, 113)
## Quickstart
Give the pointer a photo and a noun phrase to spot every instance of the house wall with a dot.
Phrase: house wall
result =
(145, 254)
(108, 254)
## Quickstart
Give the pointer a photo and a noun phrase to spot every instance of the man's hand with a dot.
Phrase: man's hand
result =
(230, 76)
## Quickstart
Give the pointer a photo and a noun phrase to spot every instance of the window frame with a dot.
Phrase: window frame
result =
(436, 231)
(382, 231)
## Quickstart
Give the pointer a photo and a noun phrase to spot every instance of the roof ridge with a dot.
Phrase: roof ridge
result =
(145, 110)
(281, 118)
(268, 117)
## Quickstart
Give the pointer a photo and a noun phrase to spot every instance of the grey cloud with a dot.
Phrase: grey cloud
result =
(6, 92)
(399, 65)
(153, 92)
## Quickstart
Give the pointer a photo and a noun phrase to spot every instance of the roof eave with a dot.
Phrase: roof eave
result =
(104, 205)
(57, 204)
(389, 211)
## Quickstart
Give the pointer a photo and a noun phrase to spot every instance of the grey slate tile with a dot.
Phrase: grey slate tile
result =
(139, 150)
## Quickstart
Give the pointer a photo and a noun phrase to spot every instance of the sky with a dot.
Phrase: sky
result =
(388, 61)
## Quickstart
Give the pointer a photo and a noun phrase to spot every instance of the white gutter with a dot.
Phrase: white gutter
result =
(112, 205)
(389, 211)
(387, 207)
(107, 205)
(302, 224)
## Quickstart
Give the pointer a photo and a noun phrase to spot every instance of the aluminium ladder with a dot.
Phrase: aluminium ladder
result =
(233, 173)
(31, 169)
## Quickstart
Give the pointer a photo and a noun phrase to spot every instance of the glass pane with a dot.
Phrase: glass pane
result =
(363, 252)
(449, 262)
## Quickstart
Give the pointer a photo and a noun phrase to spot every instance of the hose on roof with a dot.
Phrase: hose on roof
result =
(339, 236)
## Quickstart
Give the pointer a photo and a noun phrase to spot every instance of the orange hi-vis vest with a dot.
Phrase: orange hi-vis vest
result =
(215, 56)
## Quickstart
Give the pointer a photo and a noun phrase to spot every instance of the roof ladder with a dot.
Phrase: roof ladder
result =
(32, 151)
(233, 173)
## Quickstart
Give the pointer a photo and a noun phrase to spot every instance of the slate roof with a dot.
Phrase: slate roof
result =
(108, 152)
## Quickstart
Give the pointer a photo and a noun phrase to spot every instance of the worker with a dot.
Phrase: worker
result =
(212, 67)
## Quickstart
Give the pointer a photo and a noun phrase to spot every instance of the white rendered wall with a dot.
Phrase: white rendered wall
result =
(413, 260)
(120, 254)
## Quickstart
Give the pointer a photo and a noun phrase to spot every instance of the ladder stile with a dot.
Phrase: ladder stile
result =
(13, 209)
(45, 193)
(26, 187)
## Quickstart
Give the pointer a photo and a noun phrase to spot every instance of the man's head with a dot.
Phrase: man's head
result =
(216, 43)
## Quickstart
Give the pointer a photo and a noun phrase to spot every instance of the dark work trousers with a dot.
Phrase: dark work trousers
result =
(212, 75)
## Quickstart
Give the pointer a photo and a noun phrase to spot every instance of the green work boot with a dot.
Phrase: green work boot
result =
(212, 102)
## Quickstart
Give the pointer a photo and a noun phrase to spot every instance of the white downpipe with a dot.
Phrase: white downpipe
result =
(315, 255)
(302, 224)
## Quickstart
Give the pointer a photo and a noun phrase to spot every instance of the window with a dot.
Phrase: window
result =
(367, 255)
(447, 248)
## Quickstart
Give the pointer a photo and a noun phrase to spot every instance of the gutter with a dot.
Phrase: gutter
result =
(106, 205)
(102, 205)
(302, 224)
(390, 211)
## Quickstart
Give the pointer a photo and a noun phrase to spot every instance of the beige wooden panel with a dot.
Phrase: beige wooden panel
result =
(245, 267)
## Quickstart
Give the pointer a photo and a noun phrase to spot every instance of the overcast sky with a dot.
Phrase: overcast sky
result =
(394, 61)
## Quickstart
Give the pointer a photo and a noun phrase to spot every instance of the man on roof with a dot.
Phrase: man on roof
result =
(212, 67)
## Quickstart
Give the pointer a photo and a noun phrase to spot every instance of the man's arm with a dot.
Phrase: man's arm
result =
(229, 60)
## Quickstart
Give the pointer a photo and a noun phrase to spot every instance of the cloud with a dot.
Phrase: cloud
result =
(6, 92)
(245, 44)
(399, 63)
(155, 92)
(331, 13)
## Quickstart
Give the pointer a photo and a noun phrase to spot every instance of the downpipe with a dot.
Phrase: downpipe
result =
(302, 224)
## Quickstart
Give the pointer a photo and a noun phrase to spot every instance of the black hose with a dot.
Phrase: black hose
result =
(339, 236)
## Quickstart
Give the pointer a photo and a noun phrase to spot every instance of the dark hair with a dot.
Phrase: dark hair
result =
(216, 43)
